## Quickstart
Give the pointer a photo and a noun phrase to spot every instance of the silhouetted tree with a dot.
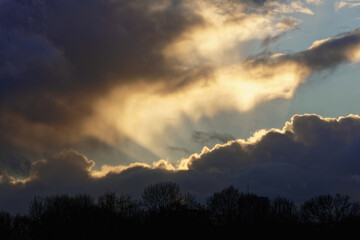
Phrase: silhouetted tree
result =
(166, 196)
(165, 205)
(327, 209)
(283, 211)
(254, 210)
(83, 202)
(127, 207)
(229, 206)
(108, 202)
(36, 208)
(21, 227)
(5, 225)
(224, 206)
(122, 206)
(61, 216)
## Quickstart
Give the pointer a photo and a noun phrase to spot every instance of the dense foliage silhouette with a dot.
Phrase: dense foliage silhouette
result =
(165, 209)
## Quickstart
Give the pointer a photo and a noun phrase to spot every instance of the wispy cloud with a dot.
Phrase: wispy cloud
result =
(206, 137)
(315, 2)
(346, 4)
(179, 149)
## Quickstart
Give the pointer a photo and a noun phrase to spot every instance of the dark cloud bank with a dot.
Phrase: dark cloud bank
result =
(310, 156)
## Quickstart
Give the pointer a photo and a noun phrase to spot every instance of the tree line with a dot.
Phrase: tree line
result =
(165, 209)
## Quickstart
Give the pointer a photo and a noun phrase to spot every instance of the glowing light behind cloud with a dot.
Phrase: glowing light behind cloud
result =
(227, 27)
(196, 70)
(144, 111)
(354, 54)
(136, 68)
(146, 114)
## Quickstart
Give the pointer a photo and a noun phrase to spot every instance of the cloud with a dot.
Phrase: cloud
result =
(67, 167)
(64, 60)
(315, 2)
(321, 55)
(179, 149)
(206, 137)
(77, 70)
(58, 59)
(346, 3)
(117, 71)
(238, 86)
(104, 43)
(310, 155)
(286, 24)
(303, 135)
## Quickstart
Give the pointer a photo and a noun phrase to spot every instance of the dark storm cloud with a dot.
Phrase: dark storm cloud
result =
(14, 160)
(311, 155)
(66, 172)
(59, 57)
(306, 138)
(56, 53)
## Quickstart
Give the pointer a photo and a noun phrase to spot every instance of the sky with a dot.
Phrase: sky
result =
(114, 95)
